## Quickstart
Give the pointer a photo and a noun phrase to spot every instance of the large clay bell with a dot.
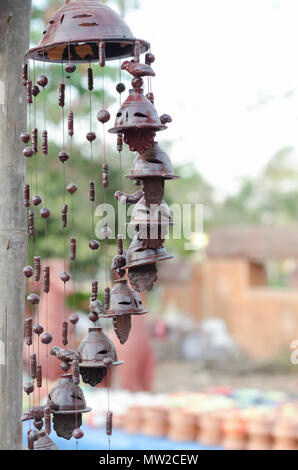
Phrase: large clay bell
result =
(137, 112)
(96, 353)
(154, 162)
(137, 256)
(69, 402)
(76, 29)
(124, 300)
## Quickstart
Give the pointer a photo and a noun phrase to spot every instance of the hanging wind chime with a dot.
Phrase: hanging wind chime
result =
(88, 31)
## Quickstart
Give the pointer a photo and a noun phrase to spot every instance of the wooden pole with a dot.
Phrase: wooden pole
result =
(14, 40)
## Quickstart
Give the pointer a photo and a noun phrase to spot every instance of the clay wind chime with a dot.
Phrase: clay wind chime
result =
(88, 31)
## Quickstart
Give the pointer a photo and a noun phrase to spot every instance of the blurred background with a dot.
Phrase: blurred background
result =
(210, 365)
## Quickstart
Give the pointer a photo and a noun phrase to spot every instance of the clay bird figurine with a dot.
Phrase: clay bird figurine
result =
(138, 70)
(64, 355)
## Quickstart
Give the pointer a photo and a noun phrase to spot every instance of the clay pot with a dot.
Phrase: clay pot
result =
(234, 432)
(259, 430)
(155, 421)
(285, 434)
(183, 426)
(133, 420)
(210, 429)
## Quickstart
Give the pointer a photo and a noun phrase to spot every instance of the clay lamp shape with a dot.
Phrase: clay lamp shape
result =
(154, 162)
(75, 31)
(69, 403)
(96, 353)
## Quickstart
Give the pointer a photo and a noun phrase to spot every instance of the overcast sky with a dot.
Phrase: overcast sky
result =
(227, 72)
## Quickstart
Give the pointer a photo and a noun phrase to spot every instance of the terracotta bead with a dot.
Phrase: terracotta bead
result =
(109, 423)
(94, 244)
(63, 156)
(33, 435)
(64, 215)
(45, 213)
(75, 372)
(73, 249)
(94, 290)
(34, 140)
(93, 317)
(64, 366)
(62, 95)
(102, 54)
(26, 195)
(149, 58)
(70, 122)
(28, 329)
(103, 116)
(35, 91)
(64, 333)
(71, 188)
(38, 376)
(37, 268)
(70, 68)
(90, 79)
(46, 338)
(29, 91)
(137, 82)
(91, 191)
(44, 142)
(28, 271)
(25, 137)
(77, 433)
(65, 276)
(105, 175)
(46, 279)
(28, 388)
(33, 365)
(33, 299)
(25, 74)
(36, 200)
(120, 87)
(38, 329)
(119, 142)
(107, 296)
(28, 152)
(91, 136)
(74, 318)
(42, 80)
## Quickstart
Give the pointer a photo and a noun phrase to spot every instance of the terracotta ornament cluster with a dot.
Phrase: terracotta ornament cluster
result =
(85, 31)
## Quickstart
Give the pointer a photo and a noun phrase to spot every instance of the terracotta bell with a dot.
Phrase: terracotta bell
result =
(76, 30)
(137, 112)
(124, 300)
(137, 256)
(70, 403)
(154, 162)
(44, 443)
(153, 215)
(95, 350)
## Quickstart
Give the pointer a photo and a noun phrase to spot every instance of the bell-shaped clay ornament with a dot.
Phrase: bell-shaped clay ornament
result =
(124, 300)
(137, 256)
(154, 162)
(44, 443)
(137, 112)
(154, 215)
(76, 29)
(95, 350)
(69, 402)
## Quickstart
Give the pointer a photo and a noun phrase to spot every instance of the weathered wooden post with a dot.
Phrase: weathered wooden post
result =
(14, 40)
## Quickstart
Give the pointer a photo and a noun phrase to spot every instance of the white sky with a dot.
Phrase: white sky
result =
(227, 72)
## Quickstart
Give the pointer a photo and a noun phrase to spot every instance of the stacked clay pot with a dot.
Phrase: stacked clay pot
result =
(285, 434)
(183, 425)
(155, 421)
(234, 431)
(133, 420)
(210, 428)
